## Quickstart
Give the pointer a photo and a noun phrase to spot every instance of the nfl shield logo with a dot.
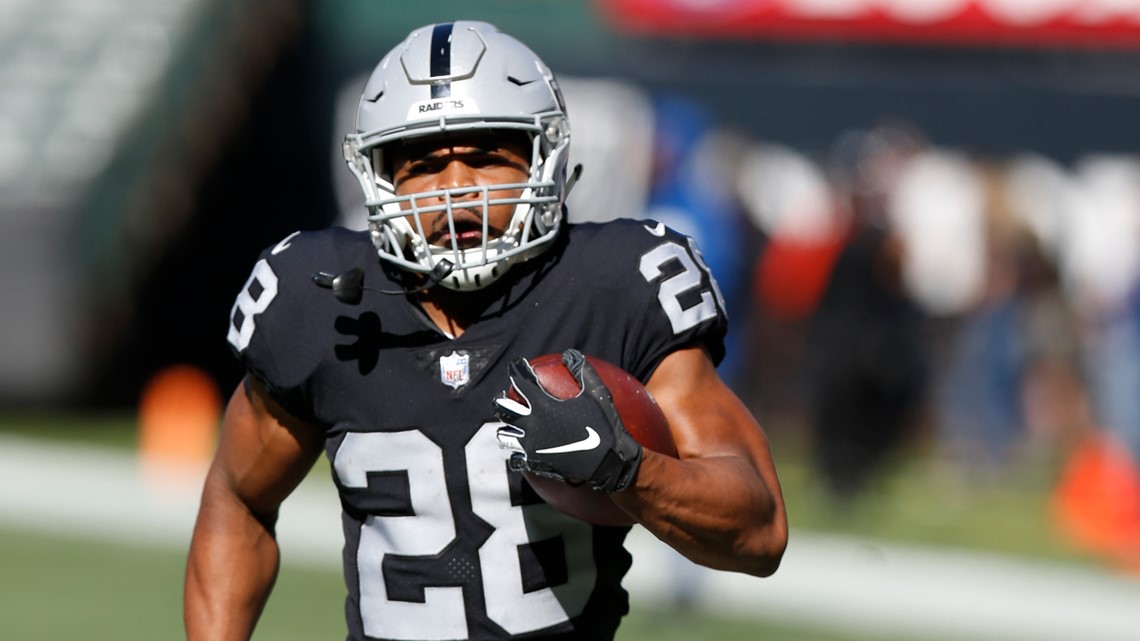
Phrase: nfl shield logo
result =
(453, 370)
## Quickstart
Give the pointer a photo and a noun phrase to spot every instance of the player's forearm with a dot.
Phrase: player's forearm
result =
(716, 511)
(231, 569)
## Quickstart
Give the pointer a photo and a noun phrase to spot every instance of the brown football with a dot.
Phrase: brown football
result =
(639, 413)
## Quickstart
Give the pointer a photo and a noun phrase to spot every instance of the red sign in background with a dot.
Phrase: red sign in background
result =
(1080, 23)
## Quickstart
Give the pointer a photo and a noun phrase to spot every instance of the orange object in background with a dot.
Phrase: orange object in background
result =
(179, 413)
(1096, 504)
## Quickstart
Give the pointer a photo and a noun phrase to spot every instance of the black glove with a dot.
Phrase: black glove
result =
(577, 440)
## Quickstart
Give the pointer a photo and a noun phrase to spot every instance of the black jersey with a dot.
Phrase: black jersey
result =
(442, 540)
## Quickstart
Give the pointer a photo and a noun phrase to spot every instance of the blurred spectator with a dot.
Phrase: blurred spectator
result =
(790, 202)
(937, 206)
(866, 356)
(1014, 351)
(1055, 404)
(1103, 262)
(800, 229)
(1088, 222)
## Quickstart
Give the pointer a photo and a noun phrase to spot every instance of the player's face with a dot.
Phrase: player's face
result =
(468, 160)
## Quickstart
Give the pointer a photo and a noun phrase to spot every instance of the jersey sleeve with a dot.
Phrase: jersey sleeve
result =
(280, 320)
(665, 294)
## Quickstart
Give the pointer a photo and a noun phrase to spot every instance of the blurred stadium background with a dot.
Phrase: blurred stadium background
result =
(925, 215)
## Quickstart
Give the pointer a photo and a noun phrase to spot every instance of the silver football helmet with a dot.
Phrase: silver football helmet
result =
(461, 77)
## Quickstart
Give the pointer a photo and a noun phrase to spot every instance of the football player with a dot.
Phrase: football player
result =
(396, 366)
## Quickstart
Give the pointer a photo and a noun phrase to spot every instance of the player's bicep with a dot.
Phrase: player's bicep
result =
(705, 417)
(263, 452)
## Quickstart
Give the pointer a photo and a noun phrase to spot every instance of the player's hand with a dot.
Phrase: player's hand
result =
(577, 440)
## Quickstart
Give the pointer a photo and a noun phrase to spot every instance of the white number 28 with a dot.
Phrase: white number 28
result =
(431, 528)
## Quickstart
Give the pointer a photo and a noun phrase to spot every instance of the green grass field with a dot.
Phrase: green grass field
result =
(54, 587)
(61, 587)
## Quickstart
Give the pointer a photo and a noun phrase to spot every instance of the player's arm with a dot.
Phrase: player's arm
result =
(720, 503)
(262, 456)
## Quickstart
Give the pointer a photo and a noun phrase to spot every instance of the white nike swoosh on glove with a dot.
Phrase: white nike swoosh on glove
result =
(590, 442)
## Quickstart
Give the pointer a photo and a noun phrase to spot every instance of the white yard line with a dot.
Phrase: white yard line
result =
(827, 581)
